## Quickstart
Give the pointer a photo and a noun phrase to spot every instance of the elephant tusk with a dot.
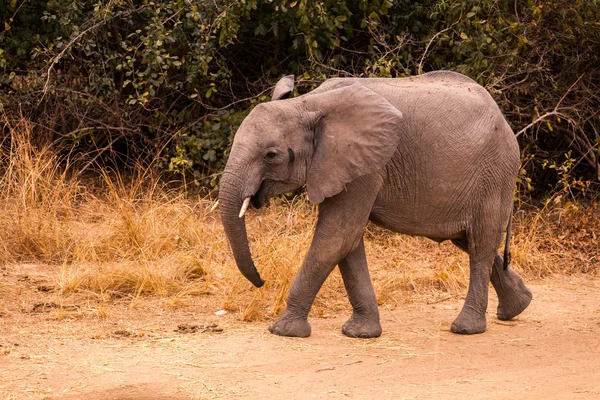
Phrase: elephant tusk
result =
(244, 206)
(214, 207)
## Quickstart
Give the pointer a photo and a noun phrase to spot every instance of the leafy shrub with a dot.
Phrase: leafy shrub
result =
(112, 81)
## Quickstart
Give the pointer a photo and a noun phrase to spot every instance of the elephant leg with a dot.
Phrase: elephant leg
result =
(340, 226)
(364, 322)
(471, 319)
(326, 251)
(305, 286)
(513, 295)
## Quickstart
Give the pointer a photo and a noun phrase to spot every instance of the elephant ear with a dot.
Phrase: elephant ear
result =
(283, 89)
(356, 133)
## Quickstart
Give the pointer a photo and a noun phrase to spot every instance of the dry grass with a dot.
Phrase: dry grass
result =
(127, 240)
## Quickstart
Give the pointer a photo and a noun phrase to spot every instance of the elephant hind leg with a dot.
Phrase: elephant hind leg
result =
(471, 319)
(513, 295)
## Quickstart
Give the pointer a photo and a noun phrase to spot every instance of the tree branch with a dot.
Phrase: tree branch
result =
(420, 67)
(552, 113)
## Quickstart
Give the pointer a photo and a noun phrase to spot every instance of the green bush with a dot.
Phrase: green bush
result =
(114, 81)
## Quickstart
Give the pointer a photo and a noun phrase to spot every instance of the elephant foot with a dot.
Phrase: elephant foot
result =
(293, 327)
(514, 305)
(357, 327)
(513, 295)
(469, 322)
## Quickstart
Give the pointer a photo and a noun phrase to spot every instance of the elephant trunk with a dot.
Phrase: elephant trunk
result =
(231, 198)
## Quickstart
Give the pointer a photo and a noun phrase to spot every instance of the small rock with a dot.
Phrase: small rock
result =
(221, 312)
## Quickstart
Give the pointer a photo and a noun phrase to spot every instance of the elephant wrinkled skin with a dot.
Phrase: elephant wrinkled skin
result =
(429, 155)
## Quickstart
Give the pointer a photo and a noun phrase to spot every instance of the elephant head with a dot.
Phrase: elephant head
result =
(321, 141)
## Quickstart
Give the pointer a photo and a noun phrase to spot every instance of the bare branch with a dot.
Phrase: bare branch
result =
(56, 59)
(554, 112)
(420, 67)
(540, 119)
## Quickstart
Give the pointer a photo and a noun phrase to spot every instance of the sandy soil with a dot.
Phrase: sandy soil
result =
(62, 351)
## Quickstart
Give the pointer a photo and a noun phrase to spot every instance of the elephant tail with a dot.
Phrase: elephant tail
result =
(507, 244)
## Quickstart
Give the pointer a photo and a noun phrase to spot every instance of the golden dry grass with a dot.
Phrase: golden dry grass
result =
(129, 239)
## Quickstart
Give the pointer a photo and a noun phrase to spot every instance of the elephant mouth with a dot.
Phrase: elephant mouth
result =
(269, 188)
(257, 202)
(261, 197)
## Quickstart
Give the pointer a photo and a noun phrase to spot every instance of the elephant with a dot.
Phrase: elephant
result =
(428, 155)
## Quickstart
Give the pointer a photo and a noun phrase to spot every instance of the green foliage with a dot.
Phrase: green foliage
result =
(209, 144)
(115, 80)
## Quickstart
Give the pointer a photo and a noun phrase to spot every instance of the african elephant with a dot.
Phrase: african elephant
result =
(429, 155)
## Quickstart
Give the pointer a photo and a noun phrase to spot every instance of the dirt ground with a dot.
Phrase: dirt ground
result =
(65, 351)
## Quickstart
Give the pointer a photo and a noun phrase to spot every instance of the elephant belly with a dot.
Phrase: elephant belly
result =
(433, 199)
(420, 224)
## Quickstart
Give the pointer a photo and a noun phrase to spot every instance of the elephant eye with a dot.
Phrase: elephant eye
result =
(270, 156)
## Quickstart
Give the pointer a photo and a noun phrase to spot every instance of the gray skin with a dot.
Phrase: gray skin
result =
(430, 155)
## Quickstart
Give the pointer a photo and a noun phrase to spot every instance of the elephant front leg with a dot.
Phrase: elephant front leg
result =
(364, 322)
(305, 286)
(337, 239)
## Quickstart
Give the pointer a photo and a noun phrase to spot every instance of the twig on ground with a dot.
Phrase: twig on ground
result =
(342, 365)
